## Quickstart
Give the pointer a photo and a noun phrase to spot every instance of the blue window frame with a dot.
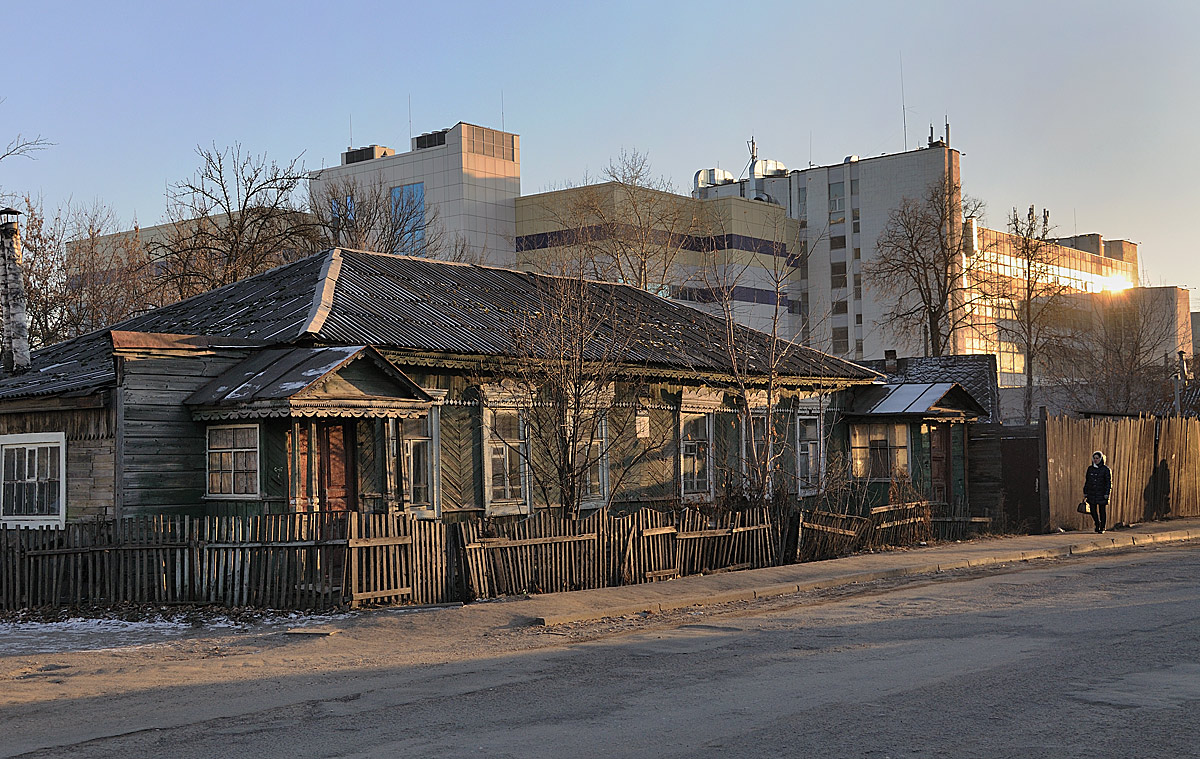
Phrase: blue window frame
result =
(408, 202)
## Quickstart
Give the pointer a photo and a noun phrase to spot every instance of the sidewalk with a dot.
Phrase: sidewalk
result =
(559, 608)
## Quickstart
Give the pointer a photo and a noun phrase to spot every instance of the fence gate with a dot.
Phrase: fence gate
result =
(380, 560)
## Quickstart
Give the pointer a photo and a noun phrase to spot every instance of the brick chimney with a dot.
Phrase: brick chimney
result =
(890, 364)
(14, 344)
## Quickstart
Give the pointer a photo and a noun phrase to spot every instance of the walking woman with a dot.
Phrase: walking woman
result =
(1096, 489)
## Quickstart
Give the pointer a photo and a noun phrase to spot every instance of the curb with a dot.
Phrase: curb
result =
(787, 588)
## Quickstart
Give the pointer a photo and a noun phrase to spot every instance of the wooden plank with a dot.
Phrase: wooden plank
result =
(397, 540)
(833, 530)
(651, 531)
(481, 543)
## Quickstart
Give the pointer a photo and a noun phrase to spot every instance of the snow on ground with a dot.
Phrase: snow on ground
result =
(19, 638)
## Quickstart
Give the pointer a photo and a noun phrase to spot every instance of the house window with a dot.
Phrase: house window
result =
(808, 452)
(878, 451)
(695, 451)
(233, 461)
(34, 470)
(592, 457)
(418, 461)
(506, 455)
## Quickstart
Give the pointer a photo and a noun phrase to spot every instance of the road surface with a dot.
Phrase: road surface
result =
(1086, 657)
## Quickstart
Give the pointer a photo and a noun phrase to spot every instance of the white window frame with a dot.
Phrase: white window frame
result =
(810, 484)
(697, 495)
(507, 506)
(433, 466)
(208, 494)
(37, 440)
(587, 500)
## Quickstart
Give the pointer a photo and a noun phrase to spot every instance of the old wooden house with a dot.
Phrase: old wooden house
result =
(354, 380)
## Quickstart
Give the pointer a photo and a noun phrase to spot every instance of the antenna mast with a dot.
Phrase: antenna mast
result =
(903, 104)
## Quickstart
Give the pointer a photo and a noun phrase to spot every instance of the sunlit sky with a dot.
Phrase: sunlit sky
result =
(1088, 109)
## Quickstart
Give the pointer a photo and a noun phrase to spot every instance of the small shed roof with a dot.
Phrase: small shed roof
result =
(923, 399)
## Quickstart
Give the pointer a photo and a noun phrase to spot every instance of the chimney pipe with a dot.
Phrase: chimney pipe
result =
(14, 345)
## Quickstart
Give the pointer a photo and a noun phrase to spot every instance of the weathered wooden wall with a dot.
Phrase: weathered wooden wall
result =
(91, 447)
(161, 449)
(1002, 479)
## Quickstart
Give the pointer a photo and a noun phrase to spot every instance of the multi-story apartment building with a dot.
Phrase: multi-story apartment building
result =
(843, 209)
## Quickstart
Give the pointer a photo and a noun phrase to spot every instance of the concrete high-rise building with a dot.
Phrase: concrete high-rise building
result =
(469, 174)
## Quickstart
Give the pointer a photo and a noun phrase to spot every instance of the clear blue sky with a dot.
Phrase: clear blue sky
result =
(1086, 108)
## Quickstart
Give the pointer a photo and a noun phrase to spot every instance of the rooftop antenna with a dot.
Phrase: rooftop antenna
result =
(947, 130)
(753, 154)
(351, 145)
(810, 161)
(501, 110)
(903, 105)
(410, 117)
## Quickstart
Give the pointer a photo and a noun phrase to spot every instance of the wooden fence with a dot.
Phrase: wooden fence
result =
(547, 554)
(1155, 465)
(332, 559)
(825, 535)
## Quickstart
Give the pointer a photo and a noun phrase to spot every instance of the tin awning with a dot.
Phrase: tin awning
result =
(355, 381)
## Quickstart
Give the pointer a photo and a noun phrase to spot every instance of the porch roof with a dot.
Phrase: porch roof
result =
(927, 400)
(310, 382)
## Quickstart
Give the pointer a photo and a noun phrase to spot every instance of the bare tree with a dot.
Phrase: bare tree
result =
(1115, 352)
(629, 227)
(20, 145)
(576, 386)
(238, 216)
(1031, 302)
(367, 214)
(755, 358)
(927, 268)
(80, 274)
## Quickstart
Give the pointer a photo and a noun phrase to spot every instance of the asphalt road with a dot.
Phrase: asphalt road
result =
(1086, 657)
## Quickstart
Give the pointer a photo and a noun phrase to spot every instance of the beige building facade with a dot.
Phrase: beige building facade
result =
(470, 174)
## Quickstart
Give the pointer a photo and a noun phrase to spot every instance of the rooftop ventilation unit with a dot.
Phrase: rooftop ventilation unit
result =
(369, 153)
(712, 178)
(765, 167)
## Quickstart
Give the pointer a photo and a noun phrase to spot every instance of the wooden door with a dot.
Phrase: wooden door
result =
(939, 463)
(336, 474)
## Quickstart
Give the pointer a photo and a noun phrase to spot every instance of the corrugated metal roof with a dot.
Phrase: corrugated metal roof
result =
(975, 372)
(422, 305)
(917, 399)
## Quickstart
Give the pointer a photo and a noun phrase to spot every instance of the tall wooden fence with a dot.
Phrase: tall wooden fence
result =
(1155, 466)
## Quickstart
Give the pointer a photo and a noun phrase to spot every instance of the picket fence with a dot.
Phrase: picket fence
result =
(337, 559)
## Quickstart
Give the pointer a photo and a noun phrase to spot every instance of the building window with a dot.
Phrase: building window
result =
(837, 274)
(33, 480)
(505, 456)
(841, 339)
(408, 211)
(840, 307)
(418, 461)
(878, 451)
(695, 451)
(233, 461)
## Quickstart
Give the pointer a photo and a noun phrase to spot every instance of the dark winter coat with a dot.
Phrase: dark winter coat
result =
(1097, 487)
